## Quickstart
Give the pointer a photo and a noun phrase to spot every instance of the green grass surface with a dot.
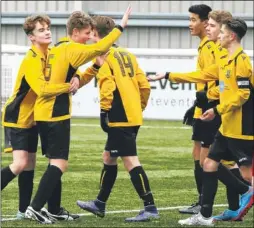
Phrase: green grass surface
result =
(164, 150)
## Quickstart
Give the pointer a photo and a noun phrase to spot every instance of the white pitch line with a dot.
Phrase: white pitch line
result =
(117, 212)
(143, 126)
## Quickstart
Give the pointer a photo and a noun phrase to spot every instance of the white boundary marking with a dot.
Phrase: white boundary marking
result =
(143, 126)
(115, 212)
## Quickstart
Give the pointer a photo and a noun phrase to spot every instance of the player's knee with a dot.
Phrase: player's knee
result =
(210, 165)
(107, 159)
(20, 165)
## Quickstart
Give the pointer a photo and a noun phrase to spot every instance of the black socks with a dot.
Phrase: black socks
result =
(107, 180)
(48, 182)
(141, 184)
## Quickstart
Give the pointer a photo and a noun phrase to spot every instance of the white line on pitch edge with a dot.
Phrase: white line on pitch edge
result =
(116, 212)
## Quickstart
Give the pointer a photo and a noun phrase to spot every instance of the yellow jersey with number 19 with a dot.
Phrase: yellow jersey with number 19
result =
(124, 88)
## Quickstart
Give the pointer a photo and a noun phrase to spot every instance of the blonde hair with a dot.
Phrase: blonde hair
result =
(220, 16)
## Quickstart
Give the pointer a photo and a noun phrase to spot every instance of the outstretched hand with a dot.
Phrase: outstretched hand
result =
(126, 17)
(157, 77)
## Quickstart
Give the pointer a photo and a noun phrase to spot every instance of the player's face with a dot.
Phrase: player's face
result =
(41, 34)
(225, 36)
(82, 35)
(212, 30)
(195, 24)
(94, 36)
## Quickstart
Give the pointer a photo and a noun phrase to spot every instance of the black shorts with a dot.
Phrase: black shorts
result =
(7, 140)
(22, 138)
(230, 149)
(122, 141)
(205, 131)
(55, 138)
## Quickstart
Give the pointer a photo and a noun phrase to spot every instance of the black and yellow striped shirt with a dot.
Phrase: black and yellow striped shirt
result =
(30, 83)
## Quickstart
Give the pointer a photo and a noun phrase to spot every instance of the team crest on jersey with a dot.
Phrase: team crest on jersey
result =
(208, 46)
(228, 73)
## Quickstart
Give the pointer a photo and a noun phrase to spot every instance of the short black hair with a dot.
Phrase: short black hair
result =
(238, 26)
(201, 10)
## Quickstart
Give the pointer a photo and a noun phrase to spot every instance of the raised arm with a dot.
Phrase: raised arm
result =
(79, 54)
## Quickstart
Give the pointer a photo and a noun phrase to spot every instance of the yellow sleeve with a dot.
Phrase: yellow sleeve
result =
(79, 54)
(205, 60)
(213, 93)
(87, 76)
(107, 86)
(202, 76)
(208, 58)
(36, 80)
(144, 88)
(243, 78)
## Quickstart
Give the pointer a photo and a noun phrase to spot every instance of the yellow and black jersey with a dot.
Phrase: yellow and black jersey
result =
(236, 107)
(236, 99)
(30, 83)
(205, 59)
(63, 61)
(124, 89)
(219, 53)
